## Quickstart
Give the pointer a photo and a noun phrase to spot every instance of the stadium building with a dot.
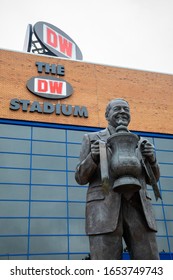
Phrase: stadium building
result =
(47, 104)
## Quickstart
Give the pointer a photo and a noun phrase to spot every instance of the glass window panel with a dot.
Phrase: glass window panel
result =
(161, 228)
(164, 144)
(15, 176)
(48, 226)
(14, 209)
(72, 163)
(162, 244)
(48, 209)
(17, 161)
(48, 193)
(48, 148)
(48, 244)
(75, 136)
(168, 212)
(4, 257)
(77, 210)
(48, 162)
(151, 140)
(158, 210)
(149, 189)
(165, 156)
(15, 131)
(152, 196)
(170, 227)
(166, 169)
(78, 256)
(48, 177)
(77, 226)
(40, 133)
(171, 243)
(79, 244)
(166, 183)
(14, 192)
(167, 197)
(15, 146)
(13, 245)
(71, 179)
(13, 226)
(73, 150)
(16, 257)
(77, 193)
(49, 257)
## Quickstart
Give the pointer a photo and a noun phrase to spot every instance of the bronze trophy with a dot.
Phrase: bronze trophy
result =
(125, 167)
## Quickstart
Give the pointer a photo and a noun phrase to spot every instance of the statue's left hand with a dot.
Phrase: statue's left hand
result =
(148, 151)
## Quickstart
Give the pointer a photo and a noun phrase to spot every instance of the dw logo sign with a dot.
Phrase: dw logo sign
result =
(56, 41)
(49, 87)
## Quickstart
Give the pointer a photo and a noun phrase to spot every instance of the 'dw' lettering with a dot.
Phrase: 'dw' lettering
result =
(65, 46)
(56, 87)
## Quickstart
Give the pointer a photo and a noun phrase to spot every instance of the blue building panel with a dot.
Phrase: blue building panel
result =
(42, 208)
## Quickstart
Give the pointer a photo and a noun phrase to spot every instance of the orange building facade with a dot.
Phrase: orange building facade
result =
(149, 94)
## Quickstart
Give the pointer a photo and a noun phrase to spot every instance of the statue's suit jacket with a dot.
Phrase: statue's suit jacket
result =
(102, 209)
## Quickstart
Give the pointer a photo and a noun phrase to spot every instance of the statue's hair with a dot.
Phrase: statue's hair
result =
(108, 107)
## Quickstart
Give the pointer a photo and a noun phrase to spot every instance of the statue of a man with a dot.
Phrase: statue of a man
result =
(111, 215)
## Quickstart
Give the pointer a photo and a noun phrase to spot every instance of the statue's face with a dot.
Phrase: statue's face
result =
(119, 113)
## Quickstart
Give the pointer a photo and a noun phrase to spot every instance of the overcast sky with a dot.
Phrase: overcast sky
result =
(134, 34)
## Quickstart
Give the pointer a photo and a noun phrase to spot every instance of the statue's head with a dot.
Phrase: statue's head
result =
(118, 112)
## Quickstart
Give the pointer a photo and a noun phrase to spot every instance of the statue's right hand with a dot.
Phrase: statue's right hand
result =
(95, 151)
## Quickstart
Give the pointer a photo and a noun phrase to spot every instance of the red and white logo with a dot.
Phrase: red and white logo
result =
(49, 87)
(56, 41)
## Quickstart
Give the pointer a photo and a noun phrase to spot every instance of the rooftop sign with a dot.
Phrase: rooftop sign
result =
(56, 41)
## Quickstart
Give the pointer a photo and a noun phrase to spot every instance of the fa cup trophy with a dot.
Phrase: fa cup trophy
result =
(124, 166)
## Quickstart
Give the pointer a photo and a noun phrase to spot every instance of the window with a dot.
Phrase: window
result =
(42, 208)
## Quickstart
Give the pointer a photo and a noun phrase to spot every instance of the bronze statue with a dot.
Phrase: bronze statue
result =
(118, 164)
